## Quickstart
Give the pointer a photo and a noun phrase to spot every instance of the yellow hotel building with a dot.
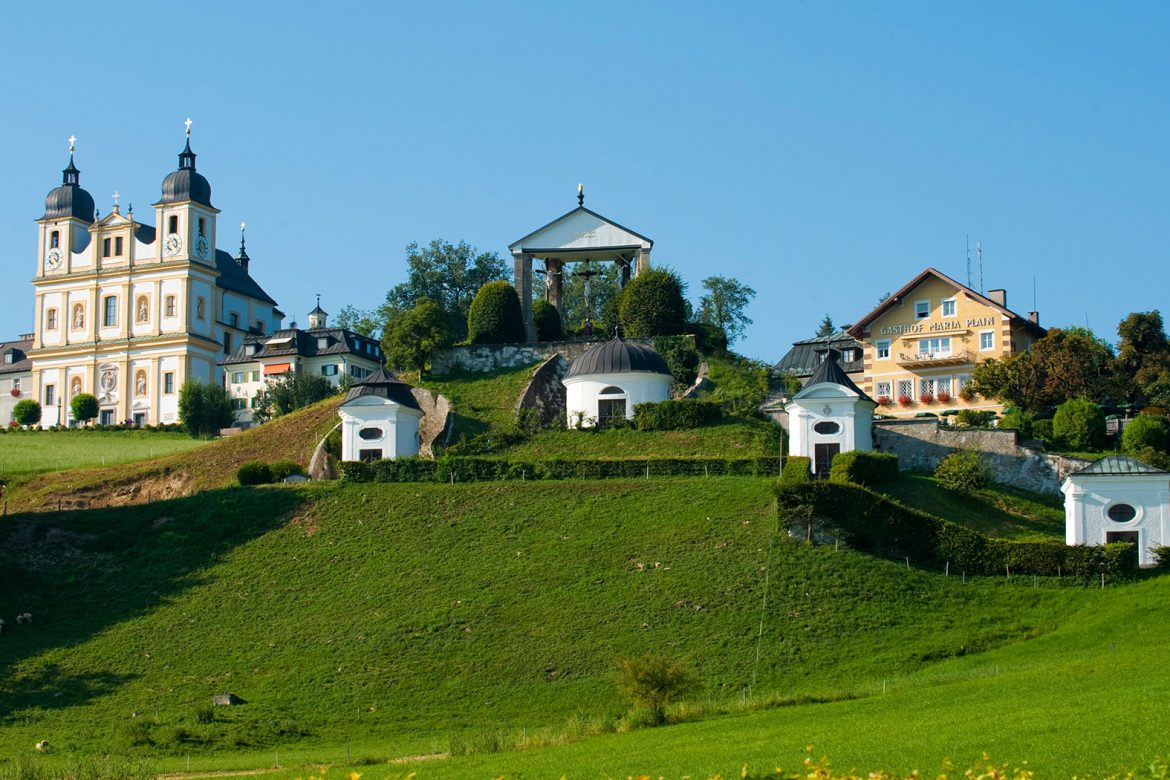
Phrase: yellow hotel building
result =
(922, 343)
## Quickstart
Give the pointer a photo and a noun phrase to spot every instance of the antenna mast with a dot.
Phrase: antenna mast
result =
(979, 254)
(968, 255)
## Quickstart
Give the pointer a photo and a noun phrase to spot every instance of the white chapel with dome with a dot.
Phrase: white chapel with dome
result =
(128, 311)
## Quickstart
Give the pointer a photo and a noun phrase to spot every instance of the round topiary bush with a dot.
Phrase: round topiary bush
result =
(652, 304)
(284, 468)
(1142, 432)
(495, 316)
(26, 412)
(84, 407)
(1079, 425)
(254, 472)
(547, 320)
(962, 472)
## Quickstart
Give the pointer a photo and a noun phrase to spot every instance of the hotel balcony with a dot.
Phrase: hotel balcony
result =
(935, 358)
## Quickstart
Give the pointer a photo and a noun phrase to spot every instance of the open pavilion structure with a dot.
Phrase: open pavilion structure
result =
(579, 236)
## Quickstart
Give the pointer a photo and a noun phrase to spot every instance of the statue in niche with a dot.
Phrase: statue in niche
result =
(140, 384)
(78, 317)
(142, 309)
(75, 387)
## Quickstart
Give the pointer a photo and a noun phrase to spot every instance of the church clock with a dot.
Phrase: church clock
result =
(201, 247)
(174, 244)
(53, 259)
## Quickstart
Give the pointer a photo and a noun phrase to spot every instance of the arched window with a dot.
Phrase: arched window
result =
(611, 406)
(611, 390)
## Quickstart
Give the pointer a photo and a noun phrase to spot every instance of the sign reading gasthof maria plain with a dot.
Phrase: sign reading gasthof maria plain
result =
(937, 327)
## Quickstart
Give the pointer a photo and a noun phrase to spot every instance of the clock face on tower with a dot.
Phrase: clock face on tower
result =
(201, 247)
(173, 244)
(53, 259)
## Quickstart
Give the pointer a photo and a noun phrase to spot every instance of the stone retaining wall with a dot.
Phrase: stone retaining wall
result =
(921, 444)
(484, 358)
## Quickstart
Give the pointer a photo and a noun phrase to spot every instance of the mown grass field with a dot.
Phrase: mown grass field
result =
(35, 452)
(730, 438)
(404, 620)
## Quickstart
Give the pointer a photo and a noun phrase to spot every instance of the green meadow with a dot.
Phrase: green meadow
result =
(33, 452)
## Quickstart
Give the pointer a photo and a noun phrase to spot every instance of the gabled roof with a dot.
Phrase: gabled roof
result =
(382, 384)
(801, 360)
(1117, 466)
(294, 342)
(546, 237)
(830, 372)
(232, 276)
(19, 349)
(858, 329)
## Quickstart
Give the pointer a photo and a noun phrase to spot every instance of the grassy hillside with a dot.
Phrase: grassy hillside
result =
(1000, 510)
(34, 452)
(730, 438)
(407, 618)
(203, 468)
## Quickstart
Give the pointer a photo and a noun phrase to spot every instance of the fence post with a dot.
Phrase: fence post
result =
(948, 568)
(907, 563)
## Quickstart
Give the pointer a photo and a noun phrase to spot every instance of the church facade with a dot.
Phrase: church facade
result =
(128, 311)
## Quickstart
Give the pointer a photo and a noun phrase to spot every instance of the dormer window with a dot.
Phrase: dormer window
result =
(323, 342)
(250, 349)
(9, 357)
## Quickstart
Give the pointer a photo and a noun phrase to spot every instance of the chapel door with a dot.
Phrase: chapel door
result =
(823, 458)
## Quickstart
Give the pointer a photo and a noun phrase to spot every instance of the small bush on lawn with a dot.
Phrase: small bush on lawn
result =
(797, 470)
(254, 472)
(974, 418)
(284, 468)
(676, 415)
(1079, 425)
(962, 472)
(864, 468)
(1144, 431)
(652, 683)
(26, 412)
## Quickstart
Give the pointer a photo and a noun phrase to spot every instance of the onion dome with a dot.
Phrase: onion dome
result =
(69, 200)
(186, 183)
(383, 384)
(617, 356)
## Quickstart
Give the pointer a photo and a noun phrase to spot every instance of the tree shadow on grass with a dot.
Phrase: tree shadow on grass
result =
(79, 572)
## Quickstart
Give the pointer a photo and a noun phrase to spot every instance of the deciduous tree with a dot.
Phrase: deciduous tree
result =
(289, 392)
(723, 305)
(412, 336)
(204, 408)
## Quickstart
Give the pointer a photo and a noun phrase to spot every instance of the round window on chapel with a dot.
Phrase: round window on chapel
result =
(827, 427)
(1122, 513)
(370, 434)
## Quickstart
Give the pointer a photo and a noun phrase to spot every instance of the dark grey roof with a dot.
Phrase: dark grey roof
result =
(19, 349)
(383, 384)
(617, 356)
(802, 360)
(830, 371)
(1116, 466)
(186, 183)
(69, 200)
(233, 276)
(318, 310)
(304, 343)
(144, 233)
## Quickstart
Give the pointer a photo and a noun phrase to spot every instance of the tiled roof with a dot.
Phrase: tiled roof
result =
(21, 363)
(294, 342)
(801, 360)
(1116, 466)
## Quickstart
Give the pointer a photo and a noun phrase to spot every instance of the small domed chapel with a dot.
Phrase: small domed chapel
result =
(604, 383)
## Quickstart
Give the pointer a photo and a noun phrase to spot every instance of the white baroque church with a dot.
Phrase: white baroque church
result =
(128, 311)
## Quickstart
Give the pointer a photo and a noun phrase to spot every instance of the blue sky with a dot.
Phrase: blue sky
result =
(823, 153)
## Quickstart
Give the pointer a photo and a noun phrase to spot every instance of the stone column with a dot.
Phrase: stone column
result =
(643, 261)
(522, 281)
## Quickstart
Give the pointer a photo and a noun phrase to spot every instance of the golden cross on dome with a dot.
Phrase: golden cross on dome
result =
(188, 124)
(72, 140)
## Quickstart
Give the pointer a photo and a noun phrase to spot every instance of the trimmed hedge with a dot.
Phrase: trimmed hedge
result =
(797, 470)
(873, 523)
(495, 316)
(676, 415)
(254, 472)
(477, 469)
(864, 468)
(547, 320)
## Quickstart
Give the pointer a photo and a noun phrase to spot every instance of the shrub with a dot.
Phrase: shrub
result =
(652, 304)
(1079, 425)
(1015, 420)
(26, 412)
(288, 392)
(284, 468)
(480, 469)
(205, 714)
(495, 316)
(204, 408)
(709, 339)
(676, 415)
(547, 320)
(680, 357)
(333, 443)
(1042, 430)
(1161, 557)
(797, 470)
(653, 683)
(1144, 431)
(864, 468)
(962, 471)
(254, 472)
(84, 407)
(974, 418)
(412, 335)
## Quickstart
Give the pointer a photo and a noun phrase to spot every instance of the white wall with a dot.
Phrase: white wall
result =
(1087, 500)
(828, 403)
(398, 425)
(581, 392)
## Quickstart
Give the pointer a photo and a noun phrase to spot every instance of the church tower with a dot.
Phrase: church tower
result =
(186, 218)
(64, 228)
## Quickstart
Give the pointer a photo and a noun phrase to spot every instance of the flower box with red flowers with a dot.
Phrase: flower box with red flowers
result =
(926, 398)
(15, 392)
(944, 397)
(905, 400)
(883, 400)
